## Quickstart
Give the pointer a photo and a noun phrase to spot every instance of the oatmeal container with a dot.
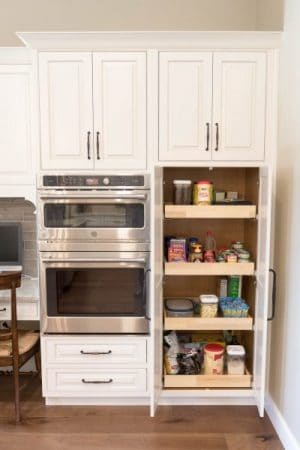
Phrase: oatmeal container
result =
(213, 359)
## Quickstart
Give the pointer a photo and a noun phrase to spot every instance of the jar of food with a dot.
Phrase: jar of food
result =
(243, 256)
(235, 359)
(208, 305)
(213, 359)
(196, 252)
(237, 245)
(232, 257)
(182, 192)
(203, 193)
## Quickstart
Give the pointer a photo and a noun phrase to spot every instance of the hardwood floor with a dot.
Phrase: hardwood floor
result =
(127, 428)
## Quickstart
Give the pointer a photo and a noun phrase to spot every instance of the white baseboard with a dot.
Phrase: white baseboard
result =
(100, 401)
(287, 438)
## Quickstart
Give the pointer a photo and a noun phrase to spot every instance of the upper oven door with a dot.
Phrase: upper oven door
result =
(97, 216)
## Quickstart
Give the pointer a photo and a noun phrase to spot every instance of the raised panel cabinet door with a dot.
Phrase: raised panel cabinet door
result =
(239, 106)
(66, 106)
(119, 89)
(15, 124)
(185, 104)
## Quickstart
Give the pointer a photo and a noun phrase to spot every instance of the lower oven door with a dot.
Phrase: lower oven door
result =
(94, 292)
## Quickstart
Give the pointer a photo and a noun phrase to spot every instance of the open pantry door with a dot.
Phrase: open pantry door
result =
(262, 294)
(157, 216)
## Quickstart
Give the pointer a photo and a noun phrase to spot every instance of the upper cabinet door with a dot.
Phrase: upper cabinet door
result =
(185, 103)
(239, 104)
(66, 110)
(119, 83)
(15, 125)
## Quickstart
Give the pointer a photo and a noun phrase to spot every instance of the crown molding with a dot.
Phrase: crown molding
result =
(141, 40)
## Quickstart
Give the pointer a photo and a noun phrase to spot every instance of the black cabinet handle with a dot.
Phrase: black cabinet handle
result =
(98, 144)
(2, 309)
(207, 137)
(88, 145)
(274, 293)
(110, 380)
(95, 353)
(217, 137)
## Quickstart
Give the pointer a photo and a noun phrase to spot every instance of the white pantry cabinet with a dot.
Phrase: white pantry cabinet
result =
(93, 110)
(212, 106)
(15, 125)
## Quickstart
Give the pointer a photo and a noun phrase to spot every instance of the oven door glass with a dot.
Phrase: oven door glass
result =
(94, 215)
(96, 291)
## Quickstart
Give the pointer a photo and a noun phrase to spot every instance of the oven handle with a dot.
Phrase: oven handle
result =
(98, 260)
(92, 196)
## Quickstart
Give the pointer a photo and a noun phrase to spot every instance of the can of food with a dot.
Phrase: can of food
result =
(213, 359)
(203, 193)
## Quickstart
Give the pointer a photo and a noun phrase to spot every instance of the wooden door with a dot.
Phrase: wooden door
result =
(239, 106)
(119, 82)
(262, 295)
(16, 125)
(185, 105)
(65, 81)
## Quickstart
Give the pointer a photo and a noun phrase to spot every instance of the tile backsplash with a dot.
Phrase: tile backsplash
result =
(15, 210)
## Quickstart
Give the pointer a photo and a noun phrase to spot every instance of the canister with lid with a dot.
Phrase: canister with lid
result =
(235, 359)
(213, 359)
(208, 305)
(179, 307)
(182, 192)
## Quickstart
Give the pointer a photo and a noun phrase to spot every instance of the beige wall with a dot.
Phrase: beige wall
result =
(284, 382)
(269, 14)
(40, 15)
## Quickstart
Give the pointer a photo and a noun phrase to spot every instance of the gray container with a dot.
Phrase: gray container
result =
(179, 307)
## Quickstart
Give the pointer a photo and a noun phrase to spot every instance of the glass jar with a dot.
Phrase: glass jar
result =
(203, 193)
(182, 192)
(235, 359)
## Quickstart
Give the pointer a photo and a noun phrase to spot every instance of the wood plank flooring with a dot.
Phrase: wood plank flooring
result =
(128, 428)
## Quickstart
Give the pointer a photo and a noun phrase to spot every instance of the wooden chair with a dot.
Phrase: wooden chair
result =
(16, 346)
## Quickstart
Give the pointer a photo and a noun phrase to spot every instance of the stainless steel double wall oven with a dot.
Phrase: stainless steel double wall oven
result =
(94, 252)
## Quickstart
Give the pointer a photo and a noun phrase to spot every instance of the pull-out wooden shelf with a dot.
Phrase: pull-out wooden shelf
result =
(200, 323)
(210, 211)
(208, 381)
(186, 268)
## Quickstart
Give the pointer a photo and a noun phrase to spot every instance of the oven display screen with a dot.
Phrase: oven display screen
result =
(92, 181)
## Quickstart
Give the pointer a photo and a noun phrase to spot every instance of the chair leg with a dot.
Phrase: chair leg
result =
(37, 360)
(17, 389)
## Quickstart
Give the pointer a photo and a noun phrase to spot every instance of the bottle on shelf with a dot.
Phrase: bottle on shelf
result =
(210, 248)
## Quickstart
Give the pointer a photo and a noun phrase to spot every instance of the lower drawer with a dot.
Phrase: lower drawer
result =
(25, 310)
(62, 382)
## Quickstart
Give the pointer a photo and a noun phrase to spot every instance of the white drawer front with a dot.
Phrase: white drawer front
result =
(95, 382)
(96, 350)
(25, 311)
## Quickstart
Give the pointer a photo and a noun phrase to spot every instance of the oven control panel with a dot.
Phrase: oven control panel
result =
(93, 181)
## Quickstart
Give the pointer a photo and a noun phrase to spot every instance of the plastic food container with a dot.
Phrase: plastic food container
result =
(233, 307)
(182, 192)
(208, 305)
(213, 359)
(203, 193)
(179, 307)
(235, 359)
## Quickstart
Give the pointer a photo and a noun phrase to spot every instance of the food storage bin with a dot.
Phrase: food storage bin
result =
(235, 359)
(208, 305)
(182, 192)
(179, 307)
(233, 307)
(213, 359)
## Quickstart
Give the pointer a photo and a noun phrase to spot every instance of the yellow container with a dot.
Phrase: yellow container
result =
(203, 193)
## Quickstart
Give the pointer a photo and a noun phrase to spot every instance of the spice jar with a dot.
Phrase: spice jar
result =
(235, 359)
(182, 192)
(208, 306)
(203, 193)
(213, 359)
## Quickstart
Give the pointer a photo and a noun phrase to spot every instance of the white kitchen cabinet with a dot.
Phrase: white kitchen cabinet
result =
(93, 110)
(239, 106)
(185, 98)
(212, 106)
(65, 81)
(119, 81)
(16, 125)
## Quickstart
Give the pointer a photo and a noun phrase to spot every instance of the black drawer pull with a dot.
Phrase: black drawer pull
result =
(2, 309)
(95, 353)
(97, 381)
